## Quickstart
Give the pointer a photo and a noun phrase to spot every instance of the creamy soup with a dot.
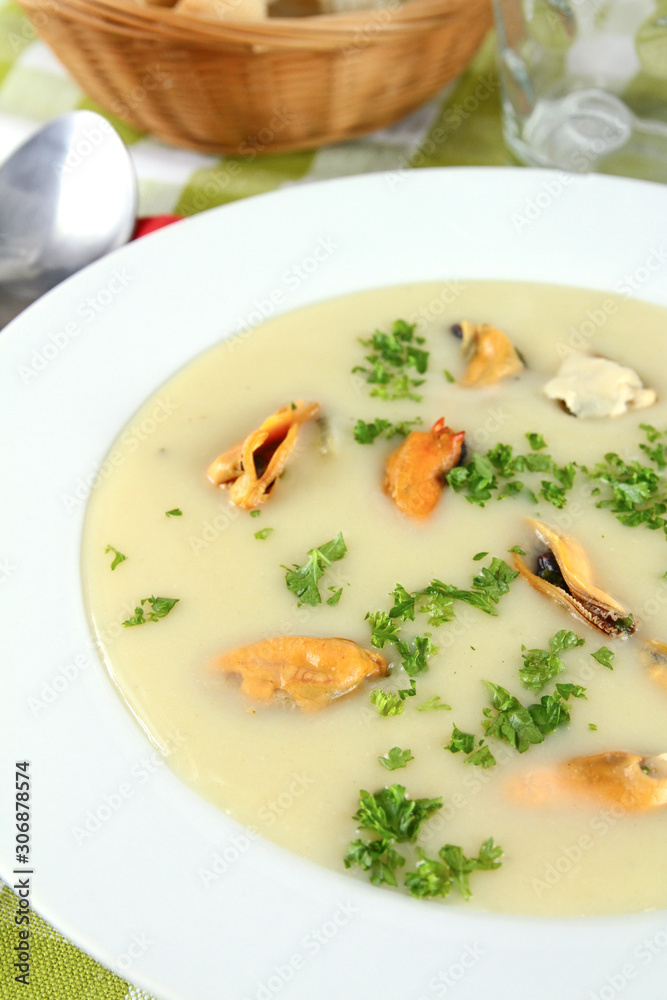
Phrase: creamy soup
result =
(295, 776)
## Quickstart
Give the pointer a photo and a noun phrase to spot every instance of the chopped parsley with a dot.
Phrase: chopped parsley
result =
(576, 690)
(303, 580)
(367, 433)
(437, 878)
(604, 656)
(519, 726)
(408, 692)
(335, 596)
(264, 533)
(391, 356)
(377, 857)
(461, 742)
(176, 512)
(387, 702)
(479, 478)
(392, 815)
(436, 601)
(118, 556)
(635, 493)
(540, 666)
(434, 704)
(160, 608)
(448, 375)
(482, 757)
(255, 513)
(536, 441)
(416, 654)
(478, 754)
(383, 628)
(396, 758)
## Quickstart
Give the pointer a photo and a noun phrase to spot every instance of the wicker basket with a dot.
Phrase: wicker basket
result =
(264, 86)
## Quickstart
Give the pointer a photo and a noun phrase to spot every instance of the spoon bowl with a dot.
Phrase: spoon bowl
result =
(67, 196)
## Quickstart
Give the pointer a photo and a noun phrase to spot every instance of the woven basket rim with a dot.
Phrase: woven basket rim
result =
(412, 17)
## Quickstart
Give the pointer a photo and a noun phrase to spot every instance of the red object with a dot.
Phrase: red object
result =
(150, 224)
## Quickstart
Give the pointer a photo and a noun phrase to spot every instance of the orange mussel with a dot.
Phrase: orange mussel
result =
(490, 354)
(251, 467)
(414, 476)
(654, 657)
(564, 574)
(310, 671)
(628, 780)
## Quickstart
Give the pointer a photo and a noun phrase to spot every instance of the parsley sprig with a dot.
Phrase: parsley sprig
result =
(396, 758)
(393, 815)
(366, 433)
(604, 656)
(437, 599)
(437, 602)
(540, 666)
(438, 877)
(377, 857)
(484, 475)
(390, 355)
(117, 558)
(303, 580)
(519, 726)
(160, 608)
(395, 818)
(477, 752)
(635, 493)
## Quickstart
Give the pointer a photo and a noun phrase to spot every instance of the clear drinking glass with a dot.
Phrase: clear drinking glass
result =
(584, 84)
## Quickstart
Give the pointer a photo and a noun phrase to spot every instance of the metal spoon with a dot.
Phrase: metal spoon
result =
(67, 196)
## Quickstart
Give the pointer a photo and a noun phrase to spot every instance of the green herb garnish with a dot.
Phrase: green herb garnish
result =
(437, 878)
(387, 702)
(303, 580)
(367, 433)
(519, 726)
(542, 665)
(396, 758)
(377, 857)
(478, 479)
(604, 656)
(392, 815)
(536, 441)
(264, 533)
(383, 628)
(461, 742)
(390, 355)
(118, 556)
(160, 608)
(416, 654)
(176, 512)
(434, 704)
(478, 754)
(635, 493)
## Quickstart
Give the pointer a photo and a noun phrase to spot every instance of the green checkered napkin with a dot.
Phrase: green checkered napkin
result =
(461, 127)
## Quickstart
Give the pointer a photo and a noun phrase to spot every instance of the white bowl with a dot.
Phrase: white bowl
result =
(73, 368)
